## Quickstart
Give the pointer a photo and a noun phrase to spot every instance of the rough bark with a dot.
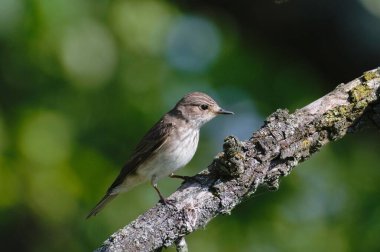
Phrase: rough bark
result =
(280, 144)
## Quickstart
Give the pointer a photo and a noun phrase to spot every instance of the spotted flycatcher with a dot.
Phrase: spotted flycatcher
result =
(168, 146)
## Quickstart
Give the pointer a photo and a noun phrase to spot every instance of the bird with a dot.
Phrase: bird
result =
(168, 146)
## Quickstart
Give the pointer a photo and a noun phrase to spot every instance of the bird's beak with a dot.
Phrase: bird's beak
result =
(224, 112)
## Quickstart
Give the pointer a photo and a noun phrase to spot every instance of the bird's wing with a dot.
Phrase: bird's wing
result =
(145, 150)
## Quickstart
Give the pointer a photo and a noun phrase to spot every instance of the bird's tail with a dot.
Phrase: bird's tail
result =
(102, 203)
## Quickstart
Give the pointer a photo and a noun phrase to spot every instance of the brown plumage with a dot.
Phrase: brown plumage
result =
(169, 145)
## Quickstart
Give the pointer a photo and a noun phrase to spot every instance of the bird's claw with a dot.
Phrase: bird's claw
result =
(168, 202)
(186, 178)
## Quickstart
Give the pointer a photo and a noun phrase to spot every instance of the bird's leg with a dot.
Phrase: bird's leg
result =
(162, 199)
(159, 193)
(186, 178)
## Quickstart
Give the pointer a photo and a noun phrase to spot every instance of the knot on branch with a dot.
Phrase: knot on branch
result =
(230, 162)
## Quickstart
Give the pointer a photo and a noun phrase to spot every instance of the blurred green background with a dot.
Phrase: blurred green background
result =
(81, 81)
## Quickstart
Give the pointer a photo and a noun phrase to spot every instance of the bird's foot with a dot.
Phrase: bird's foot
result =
(185, 178)
(168, 202)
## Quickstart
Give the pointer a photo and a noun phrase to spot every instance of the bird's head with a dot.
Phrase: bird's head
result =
(198, 108)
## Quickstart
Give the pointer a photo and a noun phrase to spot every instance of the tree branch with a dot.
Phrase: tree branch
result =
(283, 142)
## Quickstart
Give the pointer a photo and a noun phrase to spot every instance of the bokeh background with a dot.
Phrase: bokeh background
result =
(81, 81)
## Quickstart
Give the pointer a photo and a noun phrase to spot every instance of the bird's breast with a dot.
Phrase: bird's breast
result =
(177, 151)
(184, 146)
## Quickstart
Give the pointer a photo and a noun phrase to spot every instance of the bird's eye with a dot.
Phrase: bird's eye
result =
(204, 106)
